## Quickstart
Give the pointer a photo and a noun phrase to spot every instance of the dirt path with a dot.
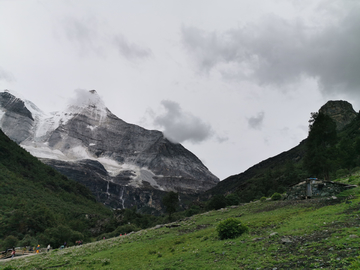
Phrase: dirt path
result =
(17, 257)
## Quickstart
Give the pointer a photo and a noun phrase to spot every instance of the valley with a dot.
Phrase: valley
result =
(308, 234)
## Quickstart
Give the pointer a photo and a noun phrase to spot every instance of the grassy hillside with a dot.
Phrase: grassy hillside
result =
(39, 205)
(308, 234)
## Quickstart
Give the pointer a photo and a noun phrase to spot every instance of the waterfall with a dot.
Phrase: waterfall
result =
(107, 189)
(122, 198)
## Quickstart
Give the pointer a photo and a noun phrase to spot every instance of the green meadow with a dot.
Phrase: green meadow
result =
(307, 234)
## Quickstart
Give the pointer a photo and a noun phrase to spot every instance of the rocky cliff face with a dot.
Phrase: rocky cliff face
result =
(340, 111)
(121, 163)
(15, 118)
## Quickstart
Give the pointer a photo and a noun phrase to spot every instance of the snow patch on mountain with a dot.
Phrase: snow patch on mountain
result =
(144, 174)
(50, 122)
(91, 127)
(42, 150)
(112, 167)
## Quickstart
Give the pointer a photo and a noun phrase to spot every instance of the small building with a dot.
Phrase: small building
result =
(316, 188)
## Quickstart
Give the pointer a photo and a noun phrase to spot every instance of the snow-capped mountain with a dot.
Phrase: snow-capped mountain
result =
(123, 164)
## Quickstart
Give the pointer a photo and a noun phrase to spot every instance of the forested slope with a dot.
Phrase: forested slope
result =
(39, 205)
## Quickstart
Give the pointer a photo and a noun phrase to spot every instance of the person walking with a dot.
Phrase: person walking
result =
(48, 248)
(13, 252)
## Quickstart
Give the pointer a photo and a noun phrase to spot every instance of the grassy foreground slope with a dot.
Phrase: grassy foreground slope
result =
(308, 234)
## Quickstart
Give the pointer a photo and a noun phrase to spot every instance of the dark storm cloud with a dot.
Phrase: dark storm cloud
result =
(131, 51)
(6, 75)
(180, 126)
(256, 122)
(276, 51)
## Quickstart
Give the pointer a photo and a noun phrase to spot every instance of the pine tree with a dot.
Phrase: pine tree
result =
(171, 201)
(321, 146)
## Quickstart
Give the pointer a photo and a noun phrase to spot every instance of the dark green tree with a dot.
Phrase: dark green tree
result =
(216, 202)
(321, 146)
(232, 199)
(9, 242)
(171, 202)
(347, 153)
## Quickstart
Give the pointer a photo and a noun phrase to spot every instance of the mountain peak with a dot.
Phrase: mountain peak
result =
(84, 98)
(88, 103)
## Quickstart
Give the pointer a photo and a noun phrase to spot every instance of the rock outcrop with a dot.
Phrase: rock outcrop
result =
(340, 111)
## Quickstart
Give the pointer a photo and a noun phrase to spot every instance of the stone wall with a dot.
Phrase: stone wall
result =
(315, 188)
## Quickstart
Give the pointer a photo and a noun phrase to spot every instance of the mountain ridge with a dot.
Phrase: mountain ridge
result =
(277, 173)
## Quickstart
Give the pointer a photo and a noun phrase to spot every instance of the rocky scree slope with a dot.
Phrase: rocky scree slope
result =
(122, 164)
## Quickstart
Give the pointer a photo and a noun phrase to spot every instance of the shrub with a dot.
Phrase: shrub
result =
(342, 173)
(28, 241)
(276, 196)
(127, 228)
(352, 178)
(262, 199)
(9, 268)
(56, 236)
(231, 228)
(193, 210)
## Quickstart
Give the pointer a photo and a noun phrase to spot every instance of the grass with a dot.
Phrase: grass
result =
(311, 234)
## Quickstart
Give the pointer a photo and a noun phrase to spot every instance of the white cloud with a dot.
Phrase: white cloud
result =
(180, 126)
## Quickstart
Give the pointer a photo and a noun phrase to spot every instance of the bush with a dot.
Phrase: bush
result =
(28, 241)
(56, 236)
(262, 199)
(276, 196)
(231, 228)
(352, 178)
(127, 228)
(193, 210)
(342, 173)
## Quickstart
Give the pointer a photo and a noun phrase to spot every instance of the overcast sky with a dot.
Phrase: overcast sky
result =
(234, 81)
